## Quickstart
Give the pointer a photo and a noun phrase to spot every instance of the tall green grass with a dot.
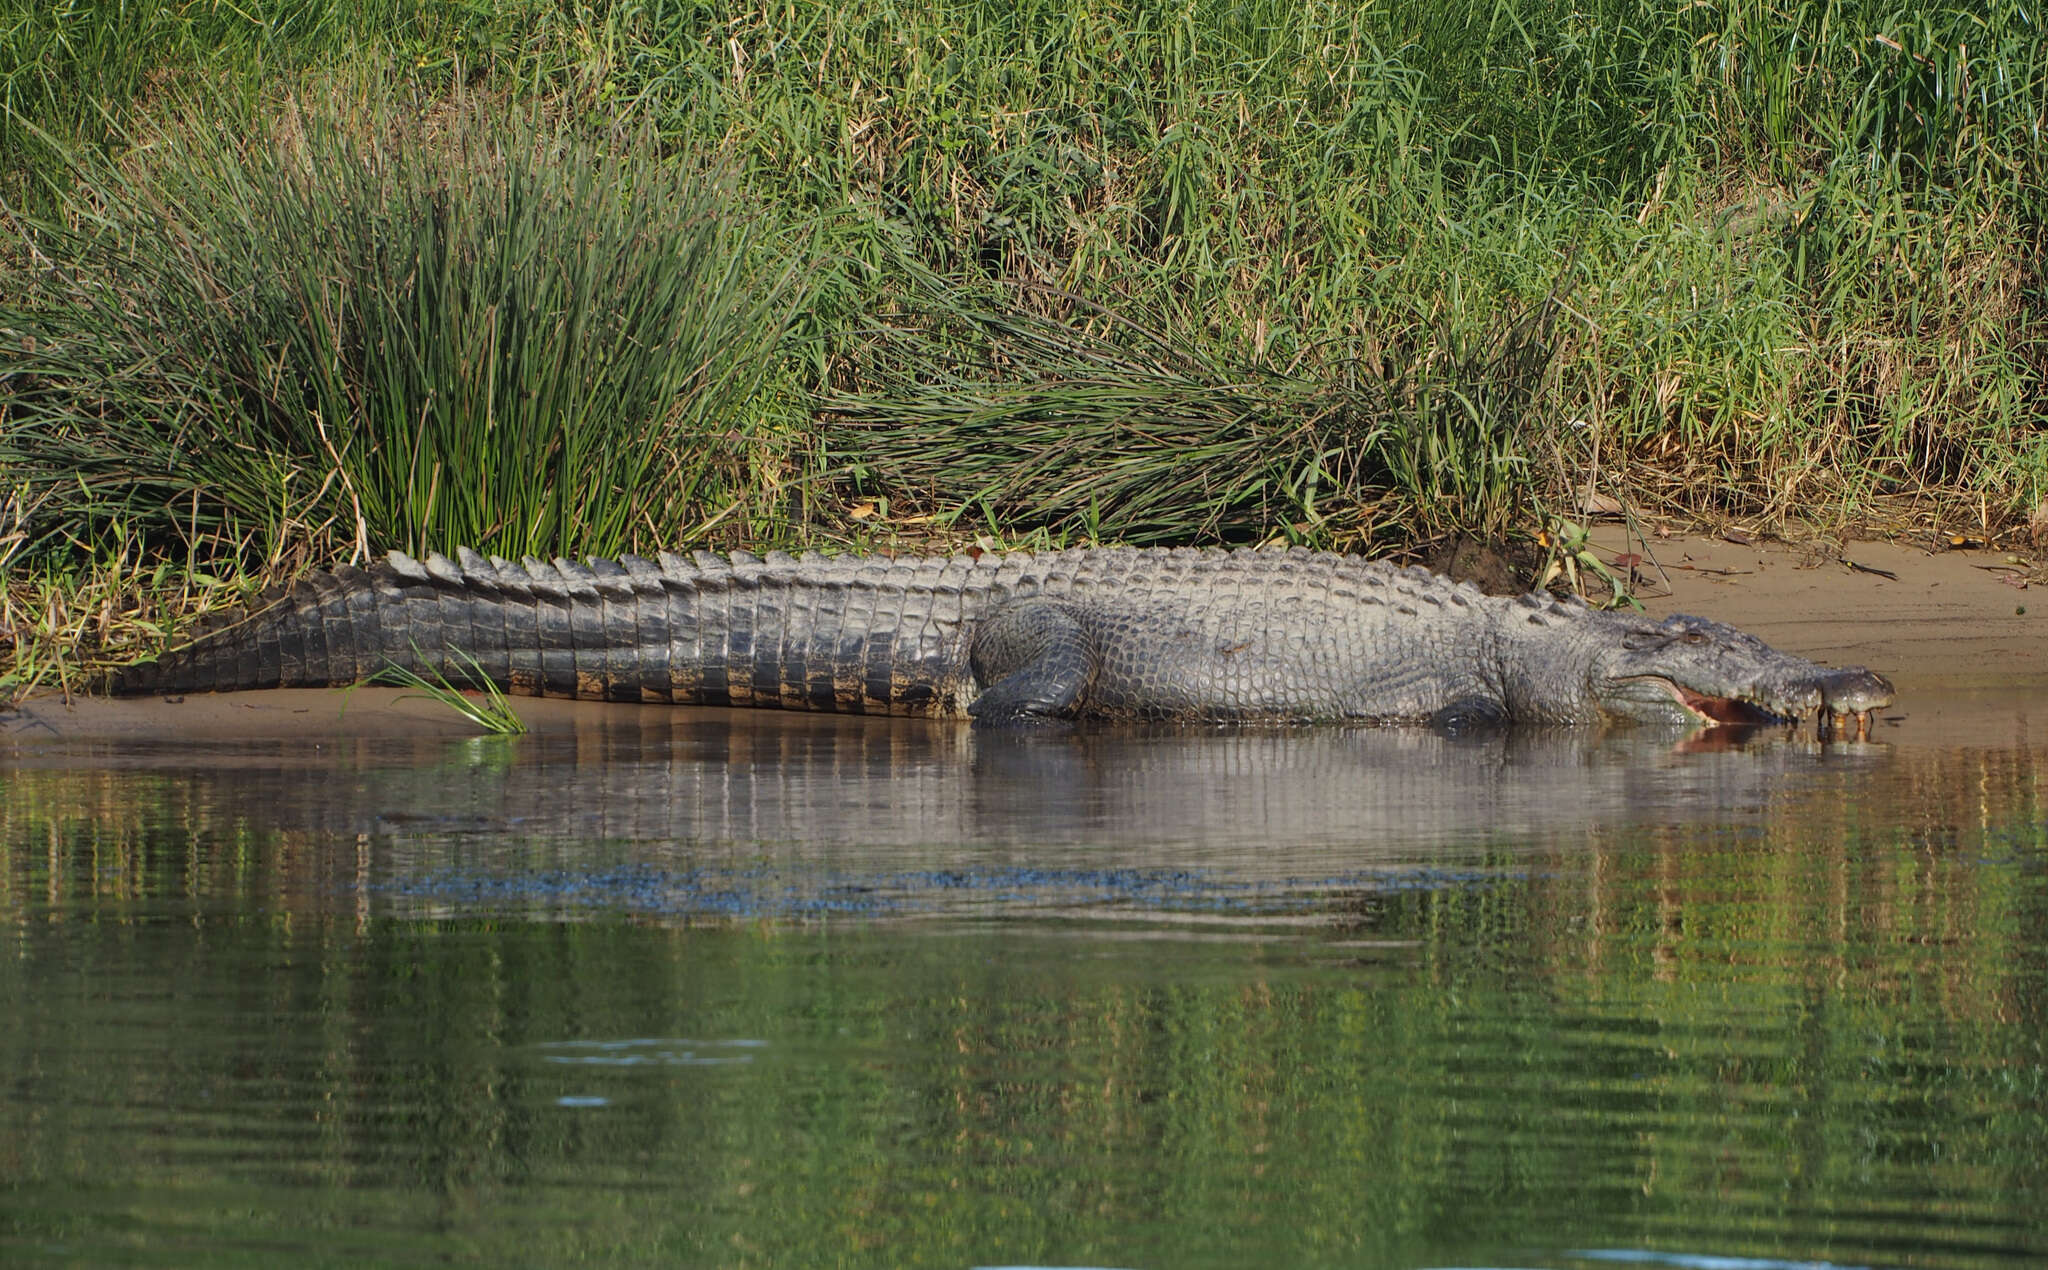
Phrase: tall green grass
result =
(1806, 236)
(1032, 407)
(84, 76)
(1163, 270)
(469, 324)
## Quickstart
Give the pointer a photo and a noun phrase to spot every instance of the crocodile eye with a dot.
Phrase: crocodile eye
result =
(1695, 637)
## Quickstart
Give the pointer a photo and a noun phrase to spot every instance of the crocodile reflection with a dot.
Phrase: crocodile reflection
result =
(717, 777)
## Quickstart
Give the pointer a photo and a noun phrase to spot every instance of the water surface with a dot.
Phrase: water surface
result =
(699, 988)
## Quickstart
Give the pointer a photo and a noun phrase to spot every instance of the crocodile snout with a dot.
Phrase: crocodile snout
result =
(1854, 690)
(1847, 699)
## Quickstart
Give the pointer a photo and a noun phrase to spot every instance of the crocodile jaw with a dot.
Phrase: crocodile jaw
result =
(1694, 671)
(1835, 700)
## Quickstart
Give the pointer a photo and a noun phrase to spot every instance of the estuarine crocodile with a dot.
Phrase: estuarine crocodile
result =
(1111, 633)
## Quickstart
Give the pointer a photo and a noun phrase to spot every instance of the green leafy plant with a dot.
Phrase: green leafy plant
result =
(476, 698)
(1570, 556)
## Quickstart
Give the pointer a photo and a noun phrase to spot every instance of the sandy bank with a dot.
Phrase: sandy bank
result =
(1946, 621)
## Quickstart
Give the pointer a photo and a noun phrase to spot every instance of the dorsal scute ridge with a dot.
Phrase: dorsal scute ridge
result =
(578, 582)
(1063, 570)
(443, 570)
(406, 567)
(542, 577)
(504, 577)
(474, 570)
(611, 578)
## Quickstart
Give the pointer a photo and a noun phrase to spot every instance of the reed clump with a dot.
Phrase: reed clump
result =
(404, 328)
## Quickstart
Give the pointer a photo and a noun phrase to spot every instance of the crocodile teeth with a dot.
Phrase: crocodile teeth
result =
(1831, 723)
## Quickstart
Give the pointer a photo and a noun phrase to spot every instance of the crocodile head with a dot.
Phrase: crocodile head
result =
(1692, 671)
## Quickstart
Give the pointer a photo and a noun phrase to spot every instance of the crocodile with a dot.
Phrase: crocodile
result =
(1106, 633)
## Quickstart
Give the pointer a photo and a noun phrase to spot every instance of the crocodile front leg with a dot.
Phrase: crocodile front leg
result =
(1033, 659)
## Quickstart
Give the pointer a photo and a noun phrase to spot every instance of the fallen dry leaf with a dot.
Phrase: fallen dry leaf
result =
(1594, 503)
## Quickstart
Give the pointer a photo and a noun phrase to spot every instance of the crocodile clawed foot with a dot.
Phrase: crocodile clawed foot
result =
(1842, 725)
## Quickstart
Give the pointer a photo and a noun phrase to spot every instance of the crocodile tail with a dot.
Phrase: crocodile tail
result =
(743, 631)
(598, 630)
(346, 626)
(310, 633)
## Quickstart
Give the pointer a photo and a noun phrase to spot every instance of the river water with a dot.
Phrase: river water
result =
(656, 987)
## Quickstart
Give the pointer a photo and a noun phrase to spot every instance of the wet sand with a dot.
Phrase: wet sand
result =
(1960, 642)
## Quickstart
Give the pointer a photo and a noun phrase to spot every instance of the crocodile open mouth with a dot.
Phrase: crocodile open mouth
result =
(1730, 712)
(1723, 711)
